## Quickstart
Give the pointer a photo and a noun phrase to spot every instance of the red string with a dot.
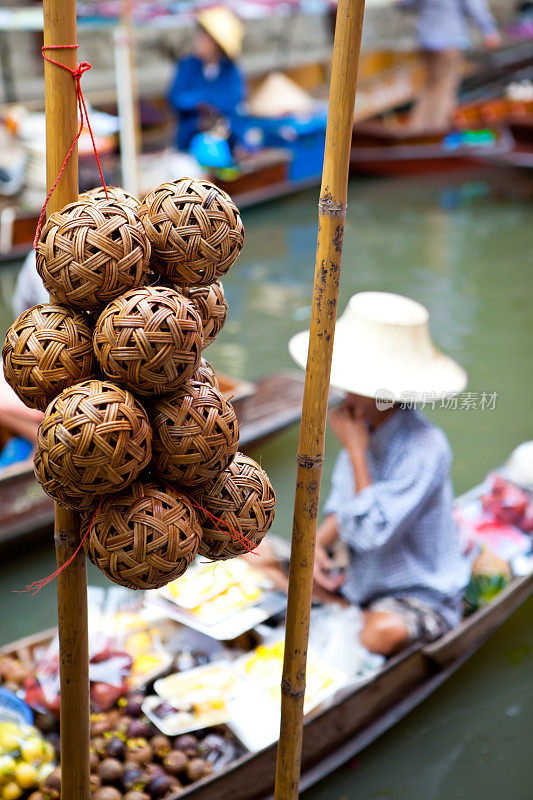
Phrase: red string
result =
(36, 586)
(249, 545)
(234, 533)
(76, 73)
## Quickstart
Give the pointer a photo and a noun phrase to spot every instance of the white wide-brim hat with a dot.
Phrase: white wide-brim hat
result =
(383, 349)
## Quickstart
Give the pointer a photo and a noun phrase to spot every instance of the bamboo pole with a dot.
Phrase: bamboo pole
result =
(128, 111)
(61, 128)
(332, 211)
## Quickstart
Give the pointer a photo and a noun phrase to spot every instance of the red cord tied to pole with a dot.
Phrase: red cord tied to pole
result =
(76, 73)
(36, 586)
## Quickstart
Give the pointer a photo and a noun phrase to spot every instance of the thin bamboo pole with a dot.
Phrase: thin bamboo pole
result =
(127, 106)
(332, 211)
(61, 128)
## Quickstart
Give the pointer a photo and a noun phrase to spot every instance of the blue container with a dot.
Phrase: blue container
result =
(13, 709)
(304, 137)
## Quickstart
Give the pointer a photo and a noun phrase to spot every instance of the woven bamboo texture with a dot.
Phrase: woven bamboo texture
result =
(47, 349)
(206, 374)
(195, 230)
(120, 196)
(196, 434)
(143, 537)
(150, 339)
(91, 252)
(212, 307)
(243, 498)
(94, 439)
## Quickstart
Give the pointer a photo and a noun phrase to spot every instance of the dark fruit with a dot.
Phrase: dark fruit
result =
(94, 760)
(160, 745)
(134, 704)
(139, 750)
(96, 782)
(132, 777)
(53, 781)
(134, 795)
(186, 742)
(110, 770)
(176, 762)
(196, 768)
(107, 793)
(139, 728)
(115, 747)
(159, 785)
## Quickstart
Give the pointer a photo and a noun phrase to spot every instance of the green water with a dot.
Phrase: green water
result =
(464, 249)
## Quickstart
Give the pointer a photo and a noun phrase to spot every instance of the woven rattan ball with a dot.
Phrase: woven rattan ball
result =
(212, 307)
(195, 230)
(47, 349)
(91, 252)
(115, 193)
(196, 434)
(150, 339)
(206, 374)
(143, 537)
(94, 439)
(240, 506)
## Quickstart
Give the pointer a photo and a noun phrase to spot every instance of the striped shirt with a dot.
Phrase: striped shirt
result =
(400, 529)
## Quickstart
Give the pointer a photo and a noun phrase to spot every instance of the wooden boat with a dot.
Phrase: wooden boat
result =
(263, 408)
(358, 714)
(381, 149)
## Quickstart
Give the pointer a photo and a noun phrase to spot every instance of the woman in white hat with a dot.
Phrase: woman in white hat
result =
(391, 496)
(209, 84)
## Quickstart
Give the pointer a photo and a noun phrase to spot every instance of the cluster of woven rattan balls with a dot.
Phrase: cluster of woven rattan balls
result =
(136, 433)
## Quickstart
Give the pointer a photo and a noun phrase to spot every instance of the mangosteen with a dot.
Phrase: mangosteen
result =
(135, 795)
(196, 769)
(159, 785)
(107, 793)
(186, 742)
(134, 704)
(115, 747)
(132, 777)
(175, 762)
(98, 745)
(96, 782)
(110, 770)
(160, 745)
(52, 781)
(99, 724)
(139, 750)
(138, 728)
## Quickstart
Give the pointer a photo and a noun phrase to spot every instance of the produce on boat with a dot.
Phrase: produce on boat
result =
(171, 703)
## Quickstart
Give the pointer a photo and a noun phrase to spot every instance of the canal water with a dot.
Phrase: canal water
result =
(461, 246)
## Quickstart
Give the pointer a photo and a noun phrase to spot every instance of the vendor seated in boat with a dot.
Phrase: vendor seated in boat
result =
(391, 496)
(209, 85)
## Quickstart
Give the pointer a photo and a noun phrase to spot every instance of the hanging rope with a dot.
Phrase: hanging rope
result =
(76, 73)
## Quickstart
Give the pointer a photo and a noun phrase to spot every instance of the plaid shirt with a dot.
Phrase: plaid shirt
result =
(400, 529)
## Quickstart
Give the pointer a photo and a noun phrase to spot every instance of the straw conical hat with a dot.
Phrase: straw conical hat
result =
(224, 27)
(383, 349)
(278, 96)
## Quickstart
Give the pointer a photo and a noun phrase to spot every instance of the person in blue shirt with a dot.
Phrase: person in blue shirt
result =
(209, 85)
